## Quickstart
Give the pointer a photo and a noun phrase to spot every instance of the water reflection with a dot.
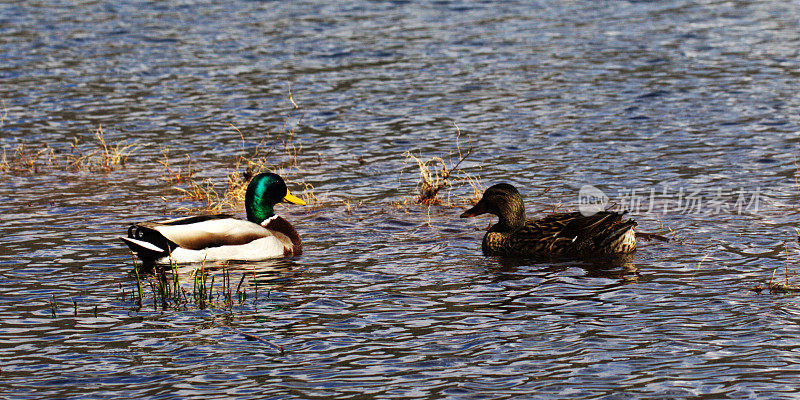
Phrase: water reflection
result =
(614, 267)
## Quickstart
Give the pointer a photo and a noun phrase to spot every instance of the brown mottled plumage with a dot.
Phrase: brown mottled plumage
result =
(557, 235)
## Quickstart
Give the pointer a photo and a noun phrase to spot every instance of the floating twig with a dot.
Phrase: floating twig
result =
(253, 337)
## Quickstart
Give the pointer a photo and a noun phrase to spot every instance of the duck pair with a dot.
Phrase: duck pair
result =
(265, 235)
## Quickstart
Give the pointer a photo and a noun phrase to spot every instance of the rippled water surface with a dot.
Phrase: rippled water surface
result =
(392, 299)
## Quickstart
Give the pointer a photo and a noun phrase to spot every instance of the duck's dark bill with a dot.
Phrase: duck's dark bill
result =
(478, 209)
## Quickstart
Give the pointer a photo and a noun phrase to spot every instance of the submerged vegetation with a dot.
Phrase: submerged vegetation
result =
(168, 292)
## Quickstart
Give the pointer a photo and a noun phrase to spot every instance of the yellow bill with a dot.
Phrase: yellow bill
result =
(290, 198)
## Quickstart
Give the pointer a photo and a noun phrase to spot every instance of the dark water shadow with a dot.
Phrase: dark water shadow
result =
(612, 267)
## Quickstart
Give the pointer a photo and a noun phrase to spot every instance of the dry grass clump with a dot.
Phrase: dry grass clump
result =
(204, 191)
(105, 158)
(177, 175)
(436, 174)
(97, 156)
(25, 159)
(280, 156)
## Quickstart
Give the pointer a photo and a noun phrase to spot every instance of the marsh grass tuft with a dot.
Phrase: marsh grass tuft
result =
(138, 281)
(785, 286)
(205, 192)
(178, 175)
(170, 291)
(104, 158)
(280, 156)
(780, 286)
(435, 175)
(96, 156)
(27, 159)
(211, 287)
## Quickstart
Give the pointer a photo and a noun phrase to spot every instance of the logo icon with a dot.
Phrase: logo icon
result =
(591, 200)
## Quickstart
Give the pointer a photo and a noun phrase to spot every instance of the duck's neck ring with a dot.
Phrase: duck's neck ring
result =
(258, 212)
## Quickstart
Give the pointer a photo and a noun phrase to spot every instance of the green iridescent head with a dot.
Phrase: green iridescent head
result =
(263, 192)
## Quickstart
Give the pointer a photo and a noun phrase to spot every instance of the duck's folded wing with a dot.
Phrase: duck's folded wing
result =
(191, 219)
(575, 224)
(591, 225)
(541, 236)
(552, 226)
(604, 232)
(201, 233)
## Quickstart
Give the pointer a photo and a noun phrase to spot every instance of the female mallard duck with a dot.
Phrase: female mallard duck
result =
(221, 237)
(557, 235)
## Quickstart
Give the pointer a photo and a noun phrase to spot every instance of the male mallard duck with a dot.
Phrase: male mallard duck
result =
(557, 235)
(221, 237)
